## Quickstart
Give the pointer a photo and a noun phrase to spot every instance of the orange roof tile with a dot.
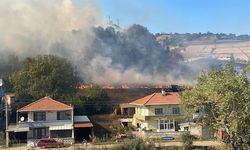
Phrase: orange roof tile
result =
(83, 125)
(159, 99)
(45, 103)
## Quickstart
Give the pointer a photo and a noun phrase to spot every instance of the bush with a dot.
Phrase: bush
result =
(136, 144)
(187, 140)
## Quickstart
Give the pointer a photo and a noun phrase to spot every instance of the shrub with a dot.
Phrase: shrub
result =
(136, 144)
(187, 140)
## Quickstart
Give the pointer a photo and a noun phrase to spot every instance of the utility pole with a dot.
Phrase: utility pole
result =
(6, 114)
(6, 123)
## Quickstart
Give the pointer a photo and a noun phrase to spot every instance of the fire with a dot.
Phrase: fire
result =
(124, 86)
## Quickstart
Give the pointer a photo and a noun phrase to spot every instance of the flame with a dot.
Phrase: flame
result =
(124, 86)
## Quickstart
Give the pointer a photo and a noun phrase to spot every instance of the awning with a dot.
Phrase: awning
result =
(17, 128)
(63, 127)
(23, 129)
(83, 125)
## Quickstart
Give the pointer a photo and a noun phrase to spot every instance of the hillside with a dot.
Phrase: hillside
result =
(118, 96)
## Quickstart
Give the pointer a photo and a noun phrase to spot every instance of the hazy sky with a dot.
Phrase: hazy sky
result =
(180, 15)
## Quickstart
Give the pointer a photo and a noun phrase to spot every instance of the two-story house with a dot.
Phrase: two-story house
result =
(45, 118)
(158, 112)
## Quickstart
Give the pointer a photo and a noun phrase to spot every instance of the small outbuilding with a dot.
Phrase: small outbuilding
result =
(83, 128)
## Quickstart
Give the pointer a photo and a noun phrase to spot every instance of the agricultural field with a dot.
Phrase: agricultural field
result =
(222, 50)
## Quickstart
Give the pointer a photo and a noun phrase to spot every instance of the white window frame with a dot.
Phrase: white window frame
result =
(166, 125)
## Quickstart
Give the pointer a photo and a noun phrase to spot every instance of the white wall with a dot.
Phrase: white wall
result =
(50, 116)
(167, 109)
(141, 110)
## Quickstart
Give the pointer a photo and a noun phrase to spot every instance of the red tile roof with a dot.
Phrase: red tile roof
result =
(83, 125)
(159, 99)
(44, 104)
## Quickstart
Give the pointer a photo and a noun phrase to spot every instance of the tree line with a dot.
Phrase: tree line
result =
(47, 75)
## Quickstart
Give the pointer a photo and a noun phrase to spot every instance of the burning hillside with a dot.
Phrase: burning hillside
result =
(103, 54)
(112, 87)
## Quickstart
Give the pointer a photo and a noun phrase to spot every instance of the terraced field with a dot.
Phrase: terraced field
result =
(222, 50)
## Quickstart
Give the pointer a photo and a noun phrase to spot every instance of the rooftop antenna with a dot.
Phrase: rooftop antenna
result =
(109, 22)
(117, 21)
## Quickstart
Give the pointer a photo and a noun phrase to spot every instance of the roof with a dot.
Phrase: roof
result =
(81, 119)
(170, 98)
(83, 125)
(126, 105)
(45, 104)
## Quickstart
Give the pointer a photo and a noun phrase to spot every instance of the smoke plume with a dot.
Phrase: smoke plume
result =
(103, 55)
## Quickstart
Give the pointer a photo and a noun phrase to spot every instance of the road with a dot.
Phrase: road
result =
(108, 146)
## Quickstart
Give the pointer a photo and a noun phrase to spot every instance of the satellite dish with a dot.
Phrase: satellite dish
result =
(22, 119)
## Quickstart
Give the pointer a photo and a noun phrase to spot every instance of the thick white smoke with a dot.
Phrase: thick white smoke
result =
(102, 56)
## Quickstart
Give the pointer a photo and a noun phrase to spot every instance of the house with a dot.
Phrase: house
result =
(127, 112)
(44, 118)
(83, 128)
(162, 114)
(127, 109)
(158, 112)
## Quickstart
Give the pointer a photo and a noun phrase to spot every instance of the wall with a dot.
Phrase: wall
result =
(50, 116)
(152, 124)
(167, 109)
(141, 110)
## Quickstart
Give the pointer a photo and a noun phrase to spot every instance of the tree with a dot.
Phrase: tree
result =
(44, 75)
(224, 94)
(94, 101)
(8, 65)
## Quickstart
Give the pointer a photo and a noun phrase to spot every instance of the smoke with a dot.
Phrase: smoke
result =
(103, 55)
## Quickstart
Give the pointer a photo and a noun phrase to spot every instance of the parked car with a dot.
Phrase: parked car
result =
(49, 143)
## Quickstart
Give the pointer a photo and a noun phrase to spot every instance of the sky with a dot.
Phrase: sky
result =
(218, 16)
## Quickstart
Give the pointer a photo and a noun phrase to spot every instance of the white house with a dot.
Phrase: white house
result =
(45, 118)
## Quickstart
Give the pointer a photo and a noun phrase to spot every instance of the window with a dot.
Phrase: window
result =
(166, 124)
(39, 116)
(158, 111)
(40, 133)
(63, 115)
(176, 110)
(61, 133)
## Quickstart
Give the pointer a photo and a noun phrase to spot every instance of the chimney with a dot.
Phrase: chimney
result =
(163, 93)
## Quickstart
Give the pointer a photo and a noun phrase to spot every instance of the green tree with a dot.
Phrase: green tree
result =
(44, 75)
(8, 65)
(94, 101)
(224, 93)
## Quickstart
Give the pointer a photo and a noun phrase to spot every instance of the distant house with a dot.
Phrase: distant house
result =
(162, 114)
(158, 112)
(44, 118)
